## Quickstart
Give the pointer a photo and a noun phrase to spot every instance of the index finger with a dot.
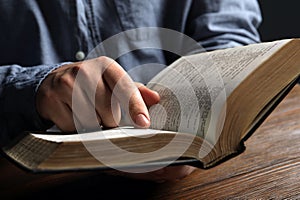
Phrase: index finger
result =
(124, 89)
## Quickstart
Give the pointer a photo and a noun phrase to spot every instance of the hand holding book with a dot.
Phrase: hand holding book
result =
(54, 97)
(256, 77)
(54, 91)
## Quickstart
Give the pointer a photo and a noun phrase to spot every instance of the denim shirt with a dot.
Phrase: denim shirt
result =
(39, 35)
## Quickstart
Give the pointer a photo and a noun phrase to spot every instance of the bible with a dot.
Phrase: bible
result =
(211, 102)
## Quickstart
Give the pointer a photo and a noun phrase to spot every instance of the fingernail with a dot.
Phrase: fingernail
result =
(142, 121)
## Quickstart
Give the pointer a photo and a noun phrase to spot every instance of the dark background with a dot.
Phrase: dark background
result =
(280, 19)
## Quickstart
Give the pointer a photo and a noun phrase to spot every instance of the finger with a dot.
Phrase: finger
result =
(71, 90)
(63, 83)
(127, 93)
(73, 94)
(62, 117)
(84, 111)
(107, 106)
(150, 97)
(96, 92)
(51, 107)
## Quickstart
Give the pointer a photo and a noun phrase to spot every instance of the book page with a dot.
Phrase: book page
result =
(187, 90)
(194, 89)
(120, 132)
(236, 63)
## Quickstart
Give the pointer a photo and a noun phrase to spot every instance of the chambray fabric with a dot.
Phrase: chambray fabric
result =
(36, 36)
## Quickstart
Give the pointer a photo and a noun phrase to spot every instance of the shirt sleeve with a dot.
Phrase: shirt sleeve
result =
(220, 24)
(18, 86)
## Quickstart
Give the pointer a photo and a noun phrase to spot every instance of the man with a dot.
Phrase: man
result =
(42, 41)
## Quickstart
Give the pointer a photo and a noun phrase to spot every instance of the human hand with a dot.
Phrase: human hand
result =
(54, 102)
(102, 79)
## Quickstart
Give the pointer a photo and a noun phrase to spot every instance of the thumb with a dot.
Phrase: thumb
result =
(149, 96)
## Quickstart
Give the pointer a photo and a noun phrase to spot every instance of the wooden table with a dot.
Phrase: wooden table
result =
(269, 168)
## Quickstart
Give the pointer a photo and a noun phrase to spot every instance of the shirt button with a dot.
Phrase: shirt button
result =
(79, 55)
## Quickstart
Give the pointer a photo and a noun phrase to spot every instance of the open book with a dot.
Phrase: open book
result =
(210, 104)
